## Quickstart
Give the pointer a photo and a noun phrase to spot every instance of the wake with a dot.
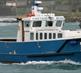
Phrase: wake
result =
(45, 62)
(49, 62)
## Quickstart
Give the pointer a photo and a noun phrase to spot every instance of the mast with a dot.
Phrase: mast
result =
(36, 9)
(22, 26)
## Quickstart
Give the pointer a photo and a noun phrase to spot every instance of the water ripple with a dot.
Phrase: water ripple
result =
(47, 65)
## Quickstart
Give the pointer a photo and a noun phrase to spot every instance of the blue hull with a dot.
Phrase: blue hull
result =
(6, 58)
(54, 50)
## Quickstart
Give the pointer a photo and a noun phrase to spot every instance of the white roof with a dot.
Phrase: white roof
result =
(60, 18)
(49, 16)
(45, 16)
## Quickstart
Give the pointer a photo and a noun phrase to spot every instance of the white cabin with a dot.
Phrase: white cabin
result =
(44, 26)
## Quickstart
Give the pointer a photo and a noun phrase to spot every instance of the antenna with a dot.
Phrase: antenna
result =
(36, 9)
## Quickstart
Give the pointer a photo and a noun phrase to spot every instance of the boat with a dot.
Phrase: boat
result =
(40, 37)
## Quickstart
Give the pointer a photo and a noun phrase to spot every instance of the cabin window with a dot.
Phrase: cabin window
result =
(41, 35)
(36, 36)
(49, 23)
(58, 23)
(27, 23)
(31, 36)
(59, 35)
(50, 35)
(54, 35)
(45, 35)
(37, 23)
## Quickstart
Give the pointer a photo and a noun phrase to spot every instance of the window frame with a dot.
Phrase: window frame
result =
(60, 35)
(35, 24)
(41, 36)
(54, 35)
(26, 24)
(45, 35)
(58, 24)
(50, 35)
(37, 36)
(31, 35)
(47, 22)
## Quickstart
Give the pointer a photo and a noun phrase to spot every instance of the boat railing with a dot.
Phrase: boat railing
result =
(7, 39)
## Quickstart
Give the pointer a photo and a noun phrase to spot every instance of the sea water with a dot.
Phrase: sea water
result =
(42, 67)
(66, 66)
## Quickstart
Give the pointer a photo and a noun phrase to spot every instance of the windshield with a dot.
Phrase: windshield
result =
(37, 24)
(27, 23)
(58, 23)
